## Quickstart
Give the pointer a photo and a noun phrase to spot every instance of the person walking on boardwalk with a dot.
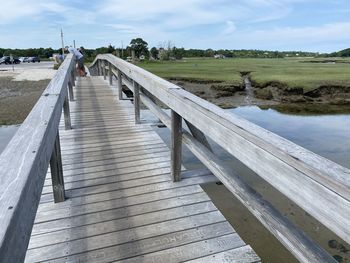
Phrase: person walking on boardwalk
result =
(80, 60)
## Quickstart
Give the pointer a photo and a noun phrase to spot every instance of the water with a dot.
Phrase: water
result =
(326, 135)
(249, 91)
(6, 133)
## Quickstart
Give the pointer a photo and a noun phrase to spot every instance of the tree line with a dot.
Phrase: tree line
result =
(167, 51)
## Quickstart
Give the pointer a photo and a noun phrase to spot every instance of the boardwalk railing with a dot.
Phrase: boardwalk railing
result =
(24, 164)
(319, 186)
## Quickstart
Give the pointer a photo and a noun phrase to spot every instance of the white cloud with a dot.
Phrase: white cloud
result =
(17, 9)
(230, 28)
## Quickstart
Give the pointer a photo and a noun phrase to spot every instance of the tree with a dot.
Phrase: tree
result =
(140, 46)
(154, 52)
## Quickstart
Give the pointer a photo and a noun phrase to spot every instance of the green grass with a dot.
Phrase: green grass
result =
(292, 72)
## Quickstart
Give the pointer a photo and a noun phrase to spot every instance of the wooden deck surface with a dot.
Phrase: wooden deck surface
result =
(122, 205)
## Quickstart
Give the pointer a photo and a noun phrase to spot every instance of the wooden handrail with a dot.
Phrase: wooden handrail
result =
(319, 186)
(24, 164)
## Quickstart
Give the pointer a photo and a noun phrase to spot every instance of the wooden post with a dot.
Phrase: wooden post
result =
(176, 146)
(120, 85)
(66, 111)
(110, 75)
(57, 171)
(137, 102)
(72, 77)
(104, 70)
(70, 90)
(98, 67)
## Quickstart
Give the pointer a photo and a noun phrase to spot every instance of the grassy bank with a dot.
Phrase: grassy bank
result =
(306, 73)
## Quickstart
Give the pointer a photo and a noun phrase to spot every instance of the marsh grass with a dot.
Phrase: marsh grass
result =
(306, 73)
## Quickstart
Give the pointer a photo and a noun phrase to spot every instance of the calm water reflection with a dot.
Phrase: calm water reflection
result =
(327, 135)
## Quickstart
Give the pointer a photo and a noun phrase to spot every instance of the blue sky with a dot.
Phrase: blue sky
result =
(309, 25)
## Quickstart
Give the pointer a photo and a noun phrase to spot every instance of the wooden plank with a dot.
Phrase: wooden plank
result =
(88, 141)
(290, 172)
(116, 157)
(184, 230)
(104, 227)
(105, 196)
(191, 250)
(157, 201)
(129, 250)
(243, 254)
(148, 168)
(24, 163)
(131, 191)
(176, 146)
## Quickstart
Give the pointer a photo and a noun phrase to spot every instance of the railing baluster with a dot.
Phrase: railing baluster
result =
(110, 75)
(104, 70)
(176, 146)
(72, 77)
(120, 85)
(70, 90)
(137, 102)
(99, 68)
(66, 111)
(57, 171)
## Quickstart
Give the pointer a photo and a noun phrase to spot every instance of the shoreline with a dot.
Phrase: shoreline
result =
(323, 100)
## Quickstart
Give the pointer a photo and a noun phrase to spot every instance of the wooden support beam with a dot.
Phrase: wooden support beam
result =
(199, 135)
(120, 85)
(66, 111)
(137, 102)
(104, 70)
(72, 76)
(57, 171)
(98, 67)
(110, 74)
(176, 146)
(70, 90)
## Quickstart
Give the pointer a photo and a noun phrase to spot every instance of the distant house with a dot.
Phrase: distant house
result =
(219, 56)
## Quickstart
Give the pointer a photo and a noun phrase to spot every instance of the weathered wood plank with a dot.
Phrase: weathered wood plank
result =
(144, 240)
(191, 250)
(132, 191)
(157, 201)
(243, 254)
(104, 227)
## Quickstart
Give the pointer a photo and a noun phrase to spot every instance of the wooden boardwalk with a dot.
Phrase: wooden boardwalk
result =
(121, 202)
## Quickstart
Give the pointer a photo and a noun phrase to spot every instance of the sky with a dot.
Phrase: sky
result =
(306, 25)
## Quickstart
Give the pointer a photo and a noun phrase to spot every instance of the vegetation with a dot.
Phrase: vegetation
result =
(284, 72)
